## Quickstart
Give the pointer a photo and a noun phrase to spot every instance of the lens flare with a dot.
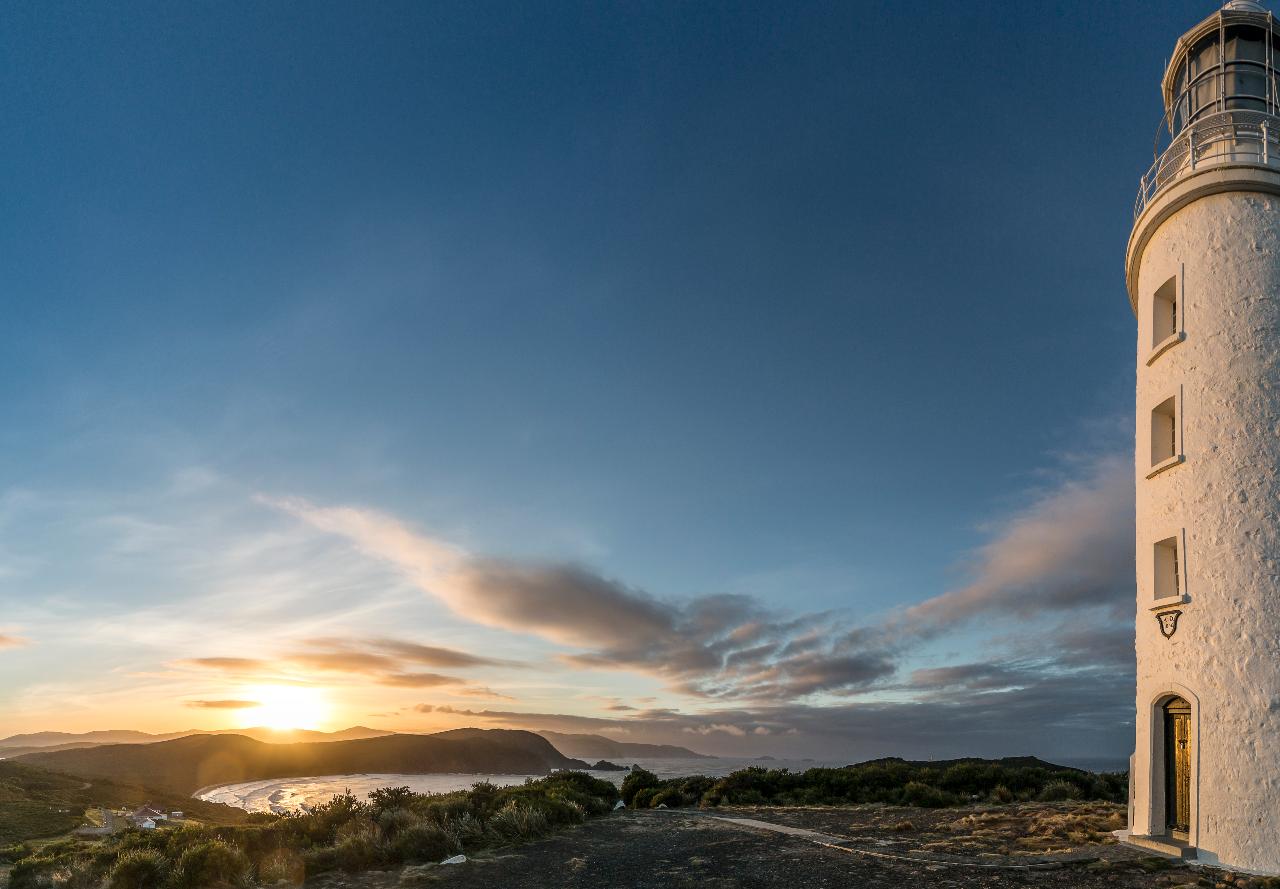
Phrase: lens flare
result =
(287, 707)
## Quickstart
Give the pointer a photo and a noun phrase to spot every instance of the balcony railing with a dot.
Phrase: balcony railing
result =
(1228, 137)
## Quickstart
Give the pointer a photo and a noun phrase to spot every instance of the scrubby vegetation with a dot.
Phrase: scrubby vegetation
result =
(892, 782)
(395, 826)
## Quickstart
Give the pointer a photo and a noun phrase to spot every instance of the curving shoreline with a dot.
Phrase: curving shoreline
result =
(283, 795)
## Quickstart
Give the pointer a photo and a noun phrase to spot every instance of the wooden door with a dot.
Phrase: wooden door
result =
(1177, 764)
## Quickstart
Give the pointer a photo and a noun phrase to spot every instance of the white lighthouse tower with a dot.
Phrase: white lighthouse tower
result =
(1203, 274)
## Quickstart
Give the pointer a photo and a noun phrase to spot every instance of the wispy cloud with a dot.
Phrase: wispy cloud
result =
(9, 641)
(1072, 548)
(383, 661)
(482, 691)
(228, 664)
(222, 705)
(717, 646)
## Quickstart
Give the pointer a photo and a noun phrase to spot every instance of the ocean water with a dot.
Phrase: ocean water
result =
(289, 794)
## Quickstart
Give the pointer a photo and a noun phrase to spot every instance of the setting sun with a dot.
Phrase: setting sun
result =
(287, 707)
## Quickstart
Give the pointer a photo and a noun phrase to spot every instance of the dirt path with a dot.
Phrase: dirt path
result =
(682, 849)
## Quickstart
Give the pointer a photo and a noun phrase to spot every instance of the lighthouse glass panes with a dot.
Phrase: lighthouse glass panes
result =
(1164, 312)
(1167, 577)
(1164, 431)
(1211, 80)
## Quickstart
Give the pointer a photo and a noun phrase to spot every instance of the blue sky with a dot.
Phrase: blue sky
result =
(812, 305)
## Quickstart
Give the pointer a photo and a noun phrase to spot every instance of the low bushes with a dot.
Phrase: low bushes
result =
(140, 869)
(891, 782)
(423, 842)
(211, 863)
(395, 826)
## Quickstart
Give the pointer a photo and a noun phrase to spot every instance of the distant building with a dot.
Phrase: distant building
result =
(146, 818)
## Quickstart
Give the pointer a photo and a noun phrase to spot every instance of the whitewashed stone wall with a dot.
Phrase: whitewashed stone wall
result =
(1225, 656)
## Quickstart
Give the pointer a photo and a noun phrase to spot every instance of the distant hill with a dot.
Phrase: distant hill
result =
(17, 745)
(11, 752)
(299, 735)
(600, 747)
(110, 736)
(38, 803)
(186, 764)
(1008, 762)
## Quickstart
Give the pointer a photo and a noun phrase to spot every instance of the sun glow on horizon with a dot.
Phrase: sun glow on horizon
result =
(286, 707)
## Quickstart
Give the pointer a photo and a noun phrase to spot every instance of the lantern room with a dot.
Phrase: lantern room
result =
(1226, 63)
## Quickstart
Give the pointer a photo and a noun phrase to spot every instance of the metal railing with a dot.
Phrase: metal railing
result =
(1227, 137)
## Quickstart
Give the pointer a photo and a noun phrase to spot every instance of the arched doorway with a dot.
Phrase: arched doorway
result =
(1177, 766)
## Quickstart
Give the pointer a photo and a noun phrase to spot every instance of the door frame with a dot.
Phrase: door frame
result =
(1157, 817)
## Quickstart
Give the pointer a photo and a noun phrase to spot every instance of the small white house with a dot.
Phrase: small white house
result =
(146, 818)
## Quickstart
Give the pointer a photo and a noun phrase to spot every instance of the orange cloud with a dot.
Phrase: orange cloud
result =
(223, 705)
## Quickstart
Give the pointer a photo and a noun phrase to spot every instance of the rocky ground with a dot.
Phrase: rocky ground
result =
(1033, 845)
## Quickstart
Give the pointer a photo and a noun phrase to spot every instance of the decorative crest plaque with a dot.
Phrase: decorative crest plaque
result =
(1168, 623)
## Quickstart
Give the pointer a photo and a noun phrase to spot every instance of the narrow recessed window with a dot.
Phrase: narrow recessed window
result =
(1164, 431)
(1164, 312)
(1168, 565)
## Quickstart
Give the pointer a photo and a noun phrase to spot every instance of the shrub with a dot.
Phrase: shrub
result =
(356, 854)
(518, 823)
(14, 853)
(392, 821)
(1001, 794)
(356, 845)
(281, 866)
(31, 873)
(639, 779)
(319, 861)
(385, 799)
(326, 818)
(424, 842)
(211, 863)
(644, 797)
(79, 875)
(1057, 791)
(669, 798)
(140, 869)
(468, 831)
(917, 794)
(355, 829)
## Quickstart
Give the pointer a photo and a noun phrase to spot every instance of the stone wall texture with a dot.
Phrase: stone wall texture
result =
(1225, 656)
